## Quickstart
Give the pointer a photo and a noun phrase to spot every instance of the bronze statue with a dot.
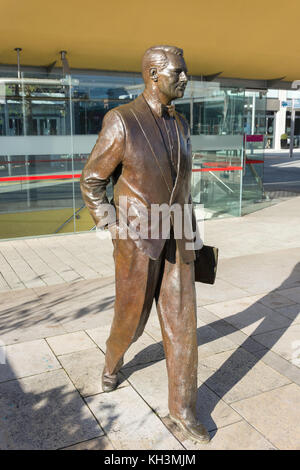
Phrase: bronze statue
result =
(144, 146)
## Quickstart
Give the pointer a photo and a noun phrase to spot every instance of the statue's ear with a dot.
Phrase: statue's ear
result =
(153, 74)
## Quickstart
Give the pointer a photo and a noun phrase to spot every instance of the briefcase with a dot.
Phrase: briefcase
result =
(206, 264)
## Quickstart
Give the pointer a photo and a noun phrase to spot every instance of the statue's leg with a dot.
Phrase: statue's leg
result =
(176, 306)
(136, 279)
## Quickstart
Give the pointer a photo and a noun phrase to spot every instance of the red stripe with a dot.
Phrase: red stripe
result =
(254, 138)
(40, 177)
(77, 175)
(253, 161)
(227, 168)
(221, 164)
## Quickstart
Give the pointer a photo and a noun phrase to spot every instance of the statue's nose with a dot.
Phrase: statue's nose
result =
(183, 77)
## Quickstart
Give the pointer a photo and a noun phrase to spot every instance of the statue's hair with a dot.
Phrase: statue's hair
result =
(156, 56)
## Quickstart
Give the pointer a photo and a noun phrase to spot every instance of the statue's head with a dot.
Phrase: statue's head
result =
(164, 72)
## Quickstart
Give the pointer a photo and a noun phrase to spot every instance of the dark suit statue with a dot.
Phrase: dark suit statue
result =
(144, 146)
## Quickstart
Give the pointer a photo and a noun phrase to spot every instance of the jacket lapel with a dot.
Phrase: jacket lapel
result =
(152, 134)
(182, 155)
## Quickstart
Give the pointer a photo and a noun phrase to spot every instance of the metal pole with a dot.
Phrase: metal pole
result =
(253, 115)
(292, 131)
(18, 49)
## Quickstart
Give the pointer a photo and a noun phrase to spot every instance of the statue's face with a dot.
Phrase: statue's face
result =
(172, 80)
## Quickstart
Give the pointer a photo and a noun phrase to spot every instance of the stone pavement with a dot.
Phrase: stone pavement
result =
(57, 296)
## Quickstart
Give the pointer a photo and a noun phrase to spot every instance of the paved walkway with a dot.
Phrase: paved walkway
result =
(56, 309)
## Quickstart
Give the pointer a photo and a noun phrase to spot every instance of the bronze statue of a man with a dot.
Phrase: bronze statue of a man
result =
(144, 146)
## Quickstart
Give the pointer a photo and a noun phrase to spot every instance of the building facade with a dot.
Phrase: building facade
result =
(49, 123)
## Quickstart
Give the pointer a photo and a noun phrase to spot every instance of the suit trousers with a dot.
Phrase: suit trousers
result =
(140, 280)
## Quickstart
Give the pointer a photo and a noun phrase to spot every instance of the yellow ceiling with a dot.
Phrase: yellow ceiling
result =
(255, 39)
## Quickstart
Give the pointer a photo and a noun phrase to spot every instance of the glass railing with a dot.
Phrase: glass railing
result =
(216, 182)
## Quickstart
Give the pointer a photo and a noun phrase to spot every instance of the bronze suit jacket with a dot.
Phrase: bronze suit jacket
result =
(130, 149)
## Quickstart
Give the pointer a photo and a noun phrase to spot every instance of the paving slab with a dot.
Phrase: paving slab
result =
(219, 292)
(292, 294)
(13, 281)
(210, 342)
(44, 412)
(44, 271)
(249, 315)
(237, 436)
(237, 375)
(71, 342)
(24, 359)
(257, 274)
(285, 342)
(292, 312)
(85, 369)
(23, 317)
(151, 382)
(278, 363)
(126, 429)
(21, 267)
(276, 414)
(274, 299)
(37, 329)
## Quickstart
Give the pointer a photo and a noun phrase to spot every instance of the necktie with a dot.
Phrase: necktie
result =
(167, 110)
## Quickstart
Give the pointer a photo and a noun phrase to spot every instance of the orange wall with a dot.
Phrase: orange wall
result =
(256, 39)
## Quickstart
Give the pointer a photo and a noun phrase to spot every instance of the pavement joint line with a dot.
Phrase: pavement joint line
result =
(67, 262)
(11, 246)
(11, 267)
(87, 440)
(261, 393)
(70, 252)
(72, 352)
(250, 295)
(285, 328)
(77, 391)
(263, 332)
(31, 375)
(45, 261)
(97, 420)
(156, 414)
(52, 252)
(86, 331)
(252, 426)
(276, 368)
(26, 260)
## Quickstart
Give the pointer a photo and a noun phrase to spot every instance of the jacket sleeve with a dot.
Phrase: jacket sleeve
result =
(106, 155)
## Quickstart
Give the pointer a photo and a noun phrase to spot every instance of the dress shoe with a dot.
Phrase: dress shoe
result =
(192, 429)
(109, 382)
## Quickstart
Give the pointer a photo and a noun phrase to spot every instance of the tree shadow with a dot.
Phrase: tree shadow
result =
(40, 408)
(55, 305)
(43, 412)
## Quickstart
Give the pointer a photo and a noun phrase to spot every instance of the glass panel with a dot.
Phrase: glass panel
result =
(253, 191)
(260, 130)
(36, 161)
(92, 98)
(216, 182)
(216, 120)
